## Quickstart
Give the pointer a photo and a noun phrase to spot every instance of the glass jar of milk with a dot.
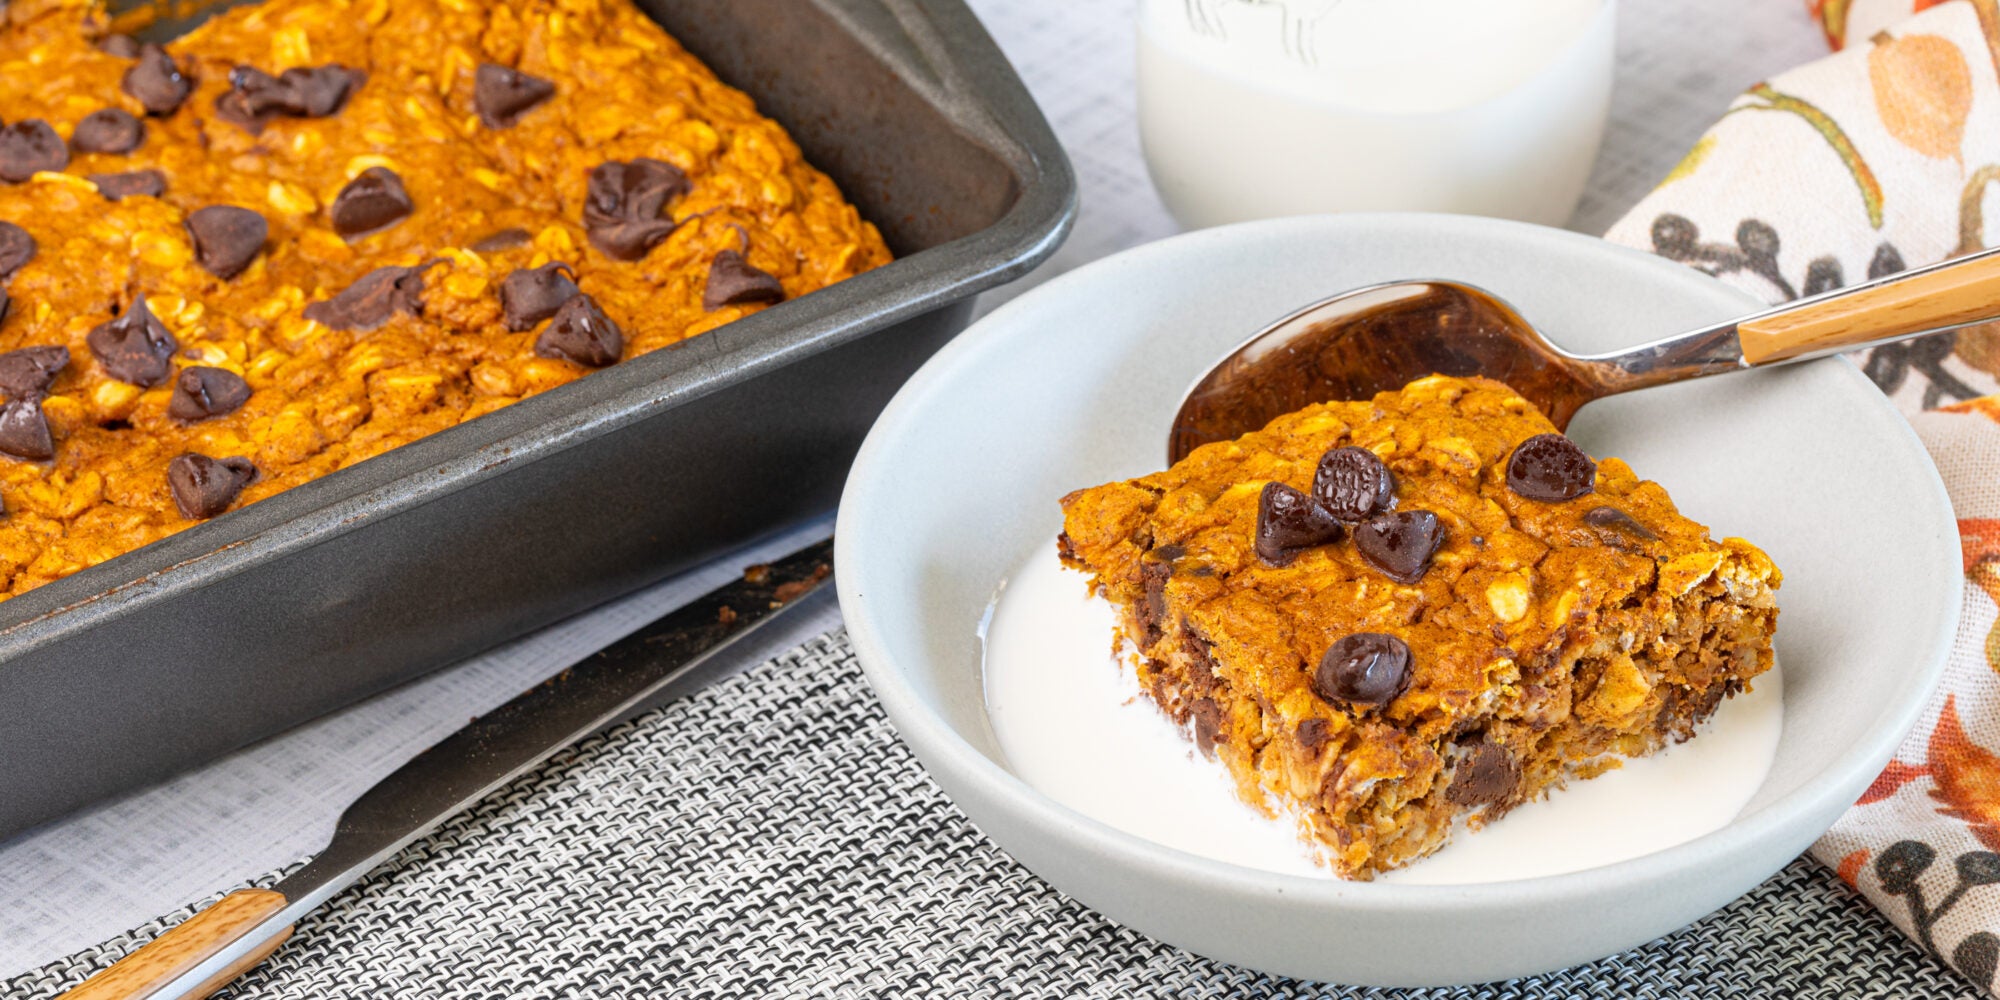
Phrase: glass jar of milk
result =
(1257, 108)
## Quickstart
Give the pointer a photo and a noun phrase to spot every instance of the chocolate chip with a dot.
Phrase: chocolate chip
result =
(1289, 522)
(226, 238)
(1486, 774)
(1366, 668)
(29, 146)
(24, 430)
(255, 97)
(1400, 545)
(1351, 483)
(204, 487)
(156, 81)
(580, 332)
(202, 392)
(1200, 659)
(1153, 576)
(733, 282)
(531, 295)
(319, 91)
(370, 301)
(1207, 725)
(1617, 524)
(371, 203)
(621, 210)
(132, 183)
(1313, 734)
(121, 46)
(108, 130)
(505, 239)
(1551, 468)
(16, 249)
(135, 347)
(502, 94)
(27, 372)
(1169, 552)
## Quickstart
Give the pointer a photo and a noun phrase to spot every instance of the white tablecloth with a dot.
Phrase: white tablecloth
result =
(72, 884)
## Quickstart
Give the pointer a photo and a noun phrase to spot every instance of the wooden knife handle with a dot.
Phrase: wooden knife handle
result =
(1967, 292)
(143, 974)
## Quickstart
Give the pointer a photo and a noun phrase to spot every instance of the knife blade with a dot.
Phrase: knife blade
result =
(675, 655)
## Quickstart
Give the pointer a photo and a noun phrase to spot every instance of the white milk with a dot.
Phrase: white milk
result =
(1073, 724)
(1259, 108)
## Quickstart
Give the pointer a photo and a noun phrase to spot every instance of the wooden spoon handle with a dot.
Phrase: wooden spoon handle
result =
(142, 974)
(1958, 293)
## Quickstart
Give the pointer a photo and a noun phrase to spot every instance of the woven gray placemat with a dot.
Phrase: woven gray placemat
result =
(770, 836)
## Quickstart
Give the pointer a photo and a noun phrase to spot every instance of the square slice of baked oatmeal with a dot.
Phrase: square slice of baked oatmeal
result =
(1387, 616)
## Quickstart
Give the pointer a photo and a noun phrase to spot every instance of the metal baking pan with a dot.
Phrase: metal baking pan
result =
(247, 625)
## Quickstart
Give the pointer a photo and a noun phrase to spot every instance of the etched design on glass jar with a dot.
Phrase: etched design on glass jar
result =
(1299, 22)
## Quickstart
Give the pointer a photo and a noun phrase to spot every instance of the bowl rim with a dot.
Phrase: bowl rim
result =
(941, 746)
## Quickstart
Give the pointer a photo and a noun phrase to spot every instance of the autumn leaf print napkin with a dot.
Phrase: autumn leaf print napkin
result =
(1883, 156)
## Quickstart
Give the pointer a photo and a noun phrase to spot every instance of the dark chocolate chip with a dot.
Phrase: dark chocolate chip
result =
(1153, 576)
(204, 487)
(319, 91)
(132, 183)
(255, 97)
(1400, 545)
(28, 371)
(1207, 725)
(629, 240)
(156, 81)
(122, 46)
(1065, 547)
(580, 332)
(5, 303)
(635, 190)
(531, 295)
(502, 94)
(227, 238)
(621, 210)
(733, 282)
(1618, 524)
(24, 430)
(371, 203)
(16, 249)
(135, 347)
(1352, 484)
(370, 301)
(1366, 668)
(1289, 522)
(1485, 775)
(1551, 468)
(29, 146)
(1313, 734)
(108, 130)
(1200, 658)
(202, 392)
(1169, 552)
(505, 239)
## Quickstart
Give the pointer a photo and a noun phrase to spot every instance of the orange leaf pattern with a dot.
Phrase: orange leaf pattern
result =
(1967, 776)
(1923, 91)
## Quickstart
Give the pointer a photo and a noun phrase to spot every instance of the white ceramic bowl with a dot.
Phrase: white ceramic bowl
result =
(1072, 385)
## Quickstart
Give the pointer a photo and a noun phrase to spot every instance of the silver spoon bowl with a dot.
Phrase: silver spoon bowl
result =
(1376, 339)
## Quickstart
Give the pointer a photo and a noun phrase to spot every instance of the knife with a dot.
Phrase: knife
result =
(675, 655)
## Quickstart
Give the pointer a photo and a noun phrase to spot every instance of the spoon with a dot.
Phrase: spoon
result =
(1379, 338)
